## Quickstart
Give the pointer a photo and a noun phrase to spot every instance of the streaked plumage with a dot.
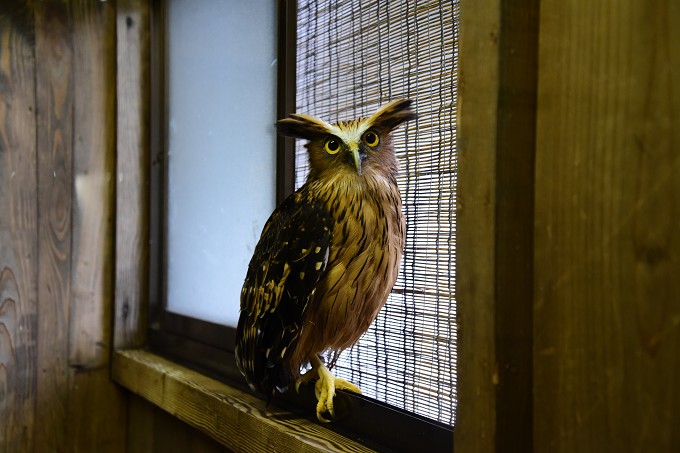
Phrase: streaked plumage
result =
(328, 255)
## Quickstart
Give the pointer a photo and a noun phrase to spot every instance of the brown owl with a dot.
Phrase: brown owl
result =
(327, 258)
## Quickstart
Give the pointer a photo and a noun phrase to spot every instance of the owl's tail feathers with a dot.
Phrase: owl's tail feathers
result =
(259, 360)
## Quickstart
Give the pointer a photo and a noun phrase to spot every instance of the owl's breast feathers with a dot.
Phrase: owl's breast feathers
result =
(327, 259)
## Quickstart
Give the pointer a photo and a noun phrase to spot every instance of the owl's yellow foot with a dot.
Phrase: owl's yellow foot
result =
(325, 389)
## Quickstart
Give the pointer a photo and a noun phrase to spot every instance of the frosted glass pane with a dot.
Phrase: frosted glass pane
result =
(221, 149)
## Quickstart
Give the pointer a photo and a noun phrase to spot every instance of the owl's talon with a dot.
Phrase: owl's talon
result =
(325, 389)
(305, 379)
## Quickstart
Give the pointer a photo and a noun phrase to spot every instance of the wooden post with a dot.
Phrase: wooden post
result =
(132, 173)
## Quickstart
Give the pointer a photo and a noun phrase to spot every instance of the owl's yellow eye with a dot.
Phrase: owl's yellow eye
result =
(371, 139)
(332, 145)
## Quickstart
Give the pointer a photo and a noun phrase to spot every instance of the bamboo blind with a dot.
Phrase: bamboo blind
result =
(354, 55)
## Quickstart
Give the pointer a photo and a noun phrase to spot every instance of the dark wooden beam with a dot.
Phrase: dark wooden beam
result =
(514, 224)
(286, 92)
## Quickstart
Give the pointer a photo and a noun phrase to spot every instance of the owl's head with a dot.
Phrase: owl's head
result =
(360, 146)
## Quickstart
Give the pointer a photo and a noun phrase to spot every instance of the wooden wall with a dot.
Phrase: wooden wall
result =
(58, 88)
(57, 143)
(607, 227)
(570, 118)
(153, 430)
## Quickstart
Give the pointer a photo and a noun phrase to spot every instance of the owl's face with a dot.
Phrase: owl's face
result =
(357, 147)
(351, 146)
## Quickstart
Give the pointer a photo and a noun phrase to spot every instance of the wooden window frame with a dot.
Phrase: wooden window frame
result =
(206, 346)
(496, 181)
(194, 341)
(231, 416)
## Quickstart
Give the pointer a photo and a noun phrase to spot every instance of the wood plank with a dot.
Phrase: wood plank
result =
(132, 173)
(514, 253)
(152, 430)
(607, 367)
(54, 95)
(498, 48)
(494, 225)
(477, 128)
(97, 411)
(234, 418)
(140, 425)
(18, 232)
(170, 434)
(478, 91)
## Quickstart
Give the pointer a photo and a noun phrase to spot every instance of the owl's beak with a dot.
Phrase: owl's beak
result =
(357, 157)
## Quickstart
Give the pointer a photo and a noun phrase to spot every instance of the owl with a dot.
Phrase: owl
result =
(327, 258)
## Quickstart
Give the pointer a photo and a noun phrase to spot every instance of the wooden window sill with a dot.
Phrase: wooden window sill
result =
(237, 419)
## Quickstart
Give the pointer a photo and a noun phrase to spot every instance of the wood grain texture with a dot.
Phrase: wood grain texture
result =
(18, 235)
(475, 291)
(140, 425)
(235, 418)
(57, 117)
(152, 430)
(97, 411)
(132, 173)
(514, 253)
(607, 308)
(54, 95)
(495, 225)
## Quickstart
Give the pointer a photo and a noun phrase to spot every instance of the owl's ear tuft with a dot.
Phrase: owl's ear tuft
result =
(391, 115)
(302, 126)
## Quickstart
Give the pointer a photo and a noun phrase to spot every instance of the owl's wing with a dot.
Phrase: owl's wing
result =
(287, 264)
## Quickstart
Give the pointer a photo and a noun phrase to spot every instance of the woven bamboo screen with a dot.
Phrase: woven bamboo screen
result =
(353, 56)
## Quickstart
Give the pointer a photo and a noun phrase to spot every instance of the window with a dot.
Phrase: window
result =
(407, 359)
(353, 56)
(221, 87)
